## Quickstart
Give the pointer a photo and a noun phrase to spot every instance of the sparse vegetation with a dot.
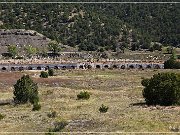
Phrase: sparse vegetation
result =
(1, 116)
(103, 108)
(44, 74)
(120, 90)
(36, 107)
(162, 89)
(52, 114)
(50, 72)
(59, 126)
(12, 50)
(83, 95)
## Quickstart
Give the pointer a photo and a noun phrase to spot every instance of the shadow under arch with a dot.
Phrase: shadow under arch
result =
(81, 67)
(12, 68)
(131, 66)
(4, 68)
(39, 68)
(123, 67)
(115, 66)
(56, 67)
(89, 67)
(148, 67)
(106, 66)
(30, 68)
(21, 68)
(157, 67)
(98, 66)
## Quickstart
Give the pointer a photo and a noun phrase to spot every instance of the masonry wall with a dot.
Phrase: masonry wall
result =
(15, 67)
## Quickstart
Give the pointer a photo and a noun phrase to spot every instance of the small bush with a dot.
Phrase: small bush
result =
(36, 107)
(103, 108)
(172, 62)
(83, 95)
(50, 72)
(44, 74)
(52, 114)
(58, 126)
(1, 116)
(162, 89)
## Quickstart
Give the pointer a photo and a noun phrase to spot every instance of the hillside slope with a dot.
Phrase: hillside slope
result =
(22, 38)
(93, 26)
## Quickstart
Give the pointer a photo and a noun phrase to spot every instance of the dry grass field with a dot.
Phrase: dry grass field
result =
(120, 90)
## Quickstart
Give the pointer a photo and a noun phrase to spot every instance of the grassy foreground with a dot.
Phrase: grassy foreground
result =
(120, 90)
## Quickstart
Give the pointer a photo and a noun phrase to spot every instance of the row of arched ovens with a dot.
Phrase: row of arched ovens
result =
(11, 67)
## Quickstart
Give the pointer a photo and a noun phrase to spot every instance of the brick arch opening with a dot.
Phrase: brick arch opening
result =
(131, 66)
(55, 67)
(38, 68)
(115, 66)
(140, 67)
(81, 67)
(98, 66)
(4, 68)
(47, 68)
(72, 67)
(12, 68)
(89, 67)
(123, 67)
(21, 68)
(30, 68)
(157, 67)
(106, 66)
(64, 67)
(148, 66)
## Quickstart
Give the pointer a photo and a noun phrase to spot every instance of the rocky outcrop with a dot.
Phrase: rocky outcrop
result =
(21, 38)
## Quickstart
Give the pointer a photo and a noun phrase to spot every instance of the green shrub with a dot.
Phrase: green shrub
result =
(83, 95)
(44, 74)
(103, 108)
(162, 89)
(172, 62)
(50, 72)
(25, 90)
(52, 114)
(36, 107)
(58, 126)
(1, 116)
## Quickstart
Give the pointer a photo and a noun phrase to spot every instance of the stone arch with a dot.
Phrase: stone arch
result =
(123, 67)
(157, 66)
(148, 66)
(30, 68)
(98, 66)
(89, 66)
(81, 67)
(4, 68)
(12, 68)
(64, 67)
(140, 67)
(115, 66)
(39, 68)
(56, 67)
(21, 68)
(131, 66)
(72, 67)
(106, 66)
(47, 68)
